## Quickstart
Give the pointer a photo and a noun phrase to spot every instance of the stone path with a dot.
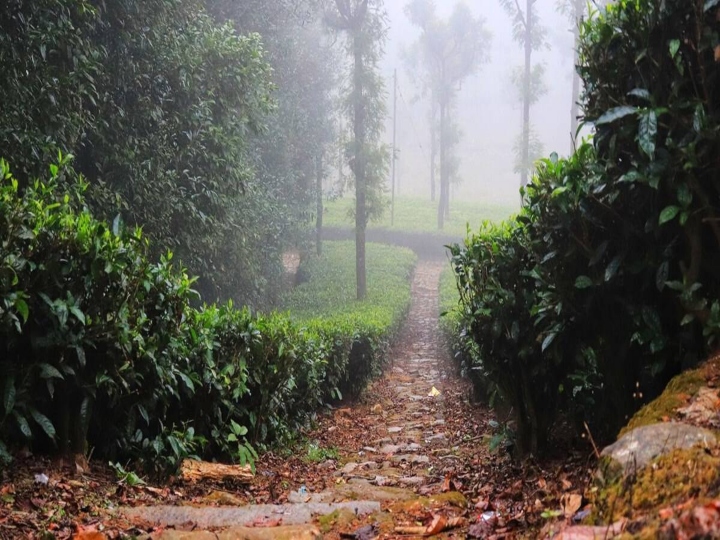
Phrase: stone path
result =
(398, 461)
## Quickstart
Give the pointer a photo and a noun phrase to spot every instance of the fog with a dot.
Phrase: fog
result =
(488, 108)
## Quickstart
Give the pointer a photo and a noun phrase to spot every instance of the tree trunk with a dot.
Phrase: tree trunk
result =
(319, 203)
(433, 144)
(526, 95)
(443, 166)
(359, 169)
(574, 108)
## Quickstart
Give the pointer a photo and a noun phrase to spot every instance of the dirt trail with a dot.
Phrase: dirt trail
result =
(398, 463)
(411, 456)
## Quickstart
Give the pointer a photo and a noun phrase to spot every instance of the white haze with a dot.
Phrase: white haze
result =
(489, 110)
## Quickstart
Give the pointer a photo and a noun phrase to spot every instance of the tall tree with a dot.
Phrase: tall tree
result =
(363, 22)
(576, 11)
(445, 53)
(528, 32)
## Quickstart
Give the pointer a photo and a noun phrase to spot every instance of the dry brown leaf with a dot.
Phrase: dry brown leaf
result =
(570, 504)
(437, 525)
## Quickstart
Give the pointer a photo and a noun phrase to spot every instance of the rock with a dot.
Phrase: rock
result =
(637, 448)
(224, 516)
(395, 429)
(293, 532)
(349, 468)
(390, 449)
(411, 458)
(412, 480)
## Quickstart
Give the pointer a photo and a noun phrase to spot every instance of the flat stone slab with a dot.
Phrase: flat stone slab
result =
(293, 532)
(411, 458)
(224, 516)
(637, 448)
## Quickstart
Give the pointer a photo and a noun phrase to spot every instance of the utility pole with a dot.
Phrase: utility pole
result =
(394, 157)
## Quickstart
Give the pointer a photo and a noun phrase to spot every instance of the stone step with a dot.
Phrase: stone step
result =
(232, 516)
(293, 532)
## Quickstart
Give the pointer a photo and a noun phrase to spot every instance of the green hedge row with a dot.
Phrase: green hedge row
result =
(100, 347)
(606, 284)
(325, 303)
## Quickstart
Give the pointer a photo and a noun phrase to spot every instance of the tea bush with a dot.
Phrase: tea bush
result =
(360, 332)
(607, 279)
(100, 347)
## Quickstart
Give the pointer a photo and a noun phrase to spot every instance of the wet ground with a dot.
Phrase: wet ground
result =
(411, 458)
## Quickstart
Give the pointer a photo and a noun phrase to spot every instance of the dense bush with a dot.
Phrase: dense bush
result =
(327, 305)
(607, 280)
(99, 346)
(183, 120)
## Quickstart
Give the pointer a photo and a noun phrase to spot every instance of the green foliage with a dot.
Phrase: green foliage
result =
(607, 278)
(172, 119)
(50, 68)
(102, 347)
(358, 333)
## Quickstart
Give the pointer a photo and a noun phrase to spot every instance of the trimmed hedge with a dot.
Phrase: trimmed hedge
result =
(100, 347)
(361, 331)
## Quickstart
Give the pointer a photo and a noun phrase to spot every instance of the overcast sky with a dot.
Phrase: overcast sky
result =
(489, 109)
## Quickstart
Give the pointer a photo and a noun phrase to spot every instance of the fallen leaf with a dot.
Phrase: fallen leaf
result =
(448, 485)
(570, 504)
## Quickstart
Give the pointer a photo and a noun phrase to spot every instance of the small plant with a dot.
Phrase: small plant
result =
(317, 454)
(126, 477)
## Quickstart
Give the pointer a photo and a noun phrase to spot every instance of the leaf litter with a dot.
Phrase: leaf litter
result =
(501, 497)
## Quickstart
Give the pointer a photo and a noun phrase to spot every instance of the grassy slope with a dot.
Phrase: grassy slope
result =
(330, 289)
(420, 215)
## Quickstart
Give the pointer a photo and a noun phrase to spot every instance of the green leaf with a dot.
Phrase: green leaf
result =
(50, 372)
(144, 413)
(640, 93)
(238, 429)
(79, 315)
(9, 395)
(22, 308)
(614, 114)
(44, 422)
(548, 340)
(583, 282)
(673, 47)
(684, 195)
(647, 132)
(613, 267)
(709, 4)
(23, 424)
(668, 214)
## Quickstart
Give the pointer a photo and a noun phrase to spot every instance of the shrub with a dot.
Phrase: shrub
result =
(360, 332)
(606, 280)
(99, 346)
